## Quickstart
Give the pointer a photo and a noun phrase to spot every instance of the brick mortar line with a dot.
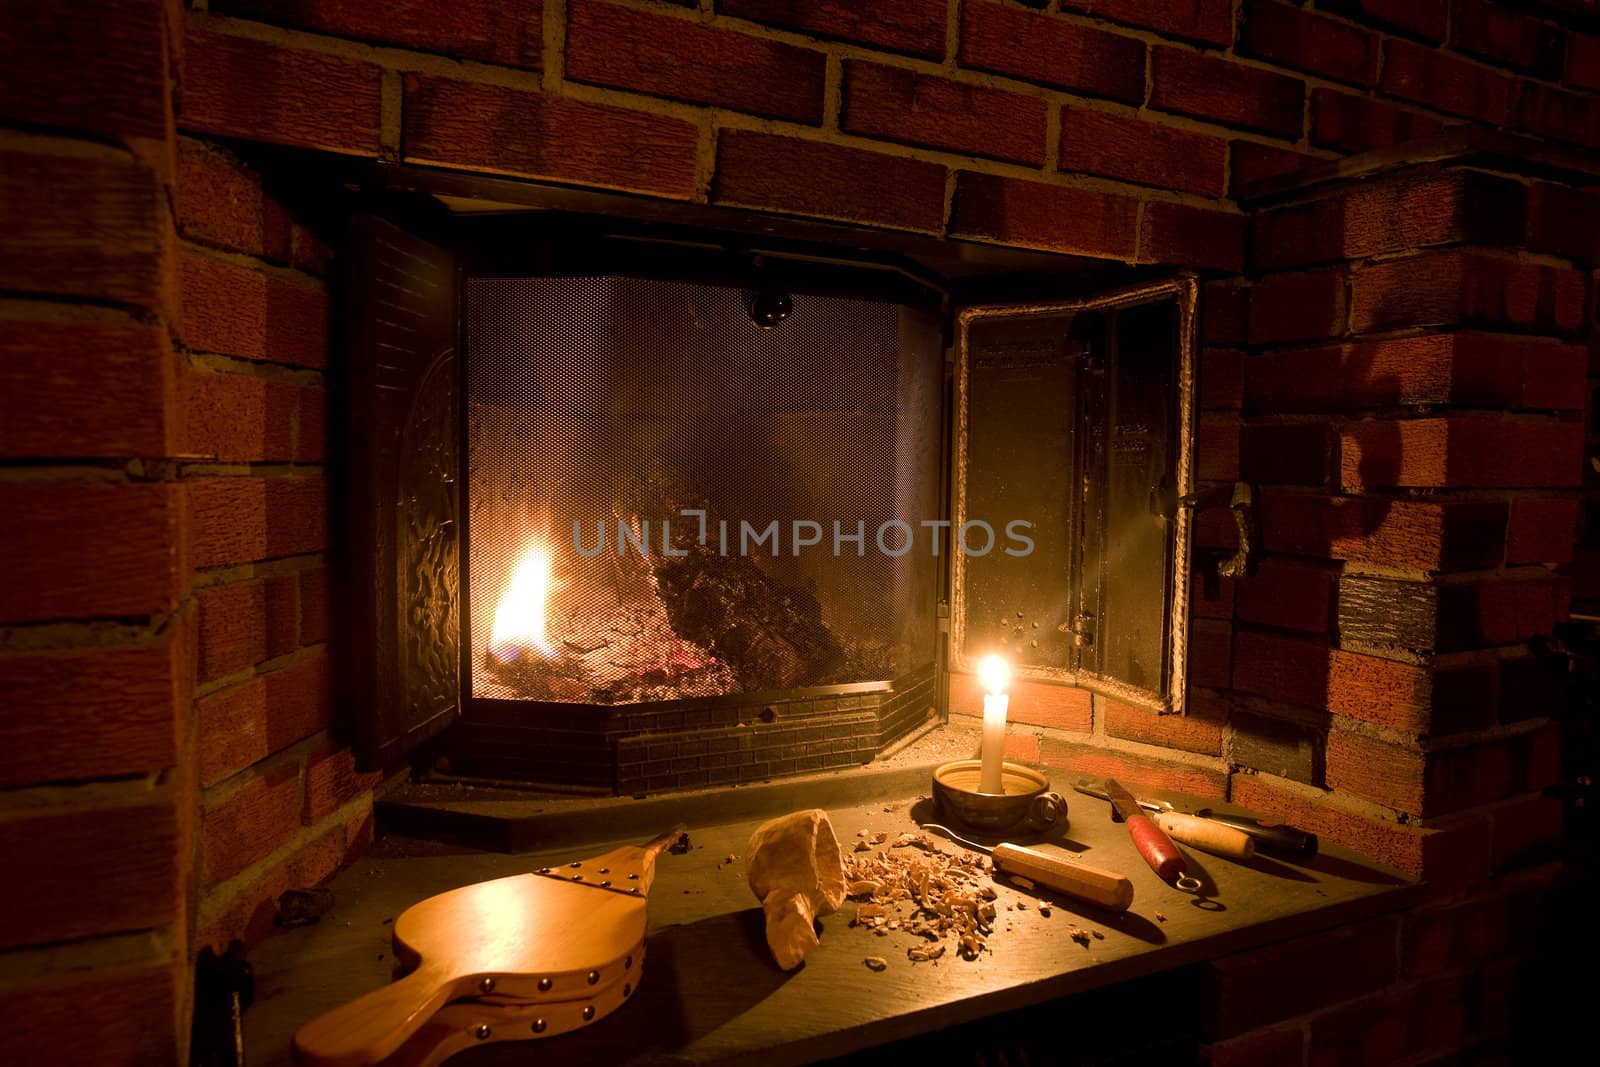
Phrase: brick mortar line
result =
(1343, 803)
(1436, 661)
(1537, 571)
(1402, 334)
(553, 59)
(833, 92)
(143, 313)
(265, 370)
(245, 675)
(45, 308)
(1418, 411)
(253, 263)
(70, 472)
(1498, 252)
(1430, 744)
(234, 573)
(297, 754)
(1053, 122)
(19, 802)
(288, 471)
(71, 144)
(29, 965)
(74, 635)
(217, 899)
(391, 90)
(1405, 333)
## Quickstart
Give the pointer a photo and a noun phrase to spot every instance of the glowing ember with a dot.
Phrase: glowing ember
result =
(519, 617)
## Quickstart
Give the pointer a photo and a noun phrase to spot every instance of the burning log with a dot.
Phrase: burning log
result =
(771, 636)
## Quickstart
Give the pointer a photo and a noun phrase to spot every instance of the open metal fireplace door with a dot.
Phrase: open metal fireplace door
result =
(1077, 417)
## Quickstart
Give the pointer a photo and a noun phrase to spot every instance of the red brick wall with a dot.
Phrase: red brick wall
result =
(280, 803)
(168, 766)
(100, 634)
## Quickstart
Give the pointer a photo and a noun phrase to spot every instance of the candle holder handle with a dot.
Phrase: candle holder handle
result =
(1046, 812)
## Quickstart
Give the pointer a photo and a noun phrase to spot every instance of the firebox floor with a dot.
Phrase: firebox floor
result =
(710, 993)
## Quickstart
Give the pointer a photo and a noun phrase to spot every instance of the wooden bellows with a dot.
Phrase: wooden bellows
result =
(538, 953)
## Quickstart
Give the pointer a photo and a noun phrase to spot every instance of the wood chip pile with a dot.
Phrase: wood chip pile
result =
(916, 887)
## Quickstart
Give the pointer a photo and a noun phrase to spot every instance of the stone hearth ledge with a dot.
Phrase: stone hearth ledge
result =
(710, 993)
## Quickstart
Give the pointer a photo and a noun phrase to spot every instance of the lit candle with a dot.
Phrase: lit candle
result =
(992, 673)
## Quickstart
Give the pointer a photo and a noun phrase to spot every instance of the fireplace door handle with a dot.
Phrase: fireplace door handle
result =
(1241, 500)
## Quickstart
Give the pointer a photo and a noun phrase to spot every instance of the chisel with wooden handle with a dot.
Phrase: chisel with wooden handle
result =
(1108, 889)
(1156, 847)
(1206, 835)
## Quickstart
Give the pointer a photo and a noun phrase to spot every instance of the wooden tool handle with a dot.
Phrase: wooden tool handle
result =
(1206, 834)
(1156, 848)
(1105, 888)
(369, 1028)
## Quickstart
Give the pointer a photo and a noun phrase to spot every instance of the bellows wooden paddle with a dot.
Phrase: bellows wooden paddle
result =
(561, 947)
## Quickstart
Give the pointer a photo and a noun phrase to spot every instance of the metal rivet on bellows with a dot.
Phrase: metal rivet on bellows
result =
(594, 976)
(634, 877)
(544, 870)
(634, 891)
(482, 1031)
(544, 985)
(605, 870)
(575, 863)
(577, 878)
(605, 883)
(588, 1013)
(486, 986)
(538, 1026)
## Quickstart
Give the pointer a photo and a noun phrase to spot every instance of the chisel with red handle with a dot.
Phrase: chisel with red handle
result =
(1154, 845)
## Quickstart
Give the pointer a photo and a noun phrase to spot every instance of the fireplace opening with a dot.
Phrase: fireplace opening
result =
(668, 499)
(645, 509)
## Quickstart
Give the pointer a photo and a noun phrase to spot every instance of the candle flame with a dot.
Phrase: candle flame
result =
(994, 673)
(519, 617)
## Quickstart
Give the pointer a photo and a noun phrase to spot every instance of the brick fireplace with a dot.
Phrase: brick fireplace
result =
(1389, 209)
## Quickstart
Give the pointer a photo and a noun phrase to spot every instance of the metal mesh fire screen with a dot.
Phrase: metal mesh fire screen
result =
(633, 444)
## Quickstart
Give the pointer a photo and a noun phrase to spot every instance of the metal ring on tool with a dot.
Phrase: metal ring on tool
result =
(1188, 883)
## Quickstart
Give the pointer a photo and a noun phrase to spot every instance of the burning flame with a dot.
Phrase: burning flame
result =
(519, 617)
(994, 674)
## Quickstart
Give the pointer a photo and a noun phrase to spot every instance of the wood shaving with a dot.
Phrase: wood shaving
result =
(919, 890)
(1160, 918)
(922, 841)
(862, 846)
(1044, 909)
(1098, 936)
(1023, 883)
(1080, 935)
(876, 963)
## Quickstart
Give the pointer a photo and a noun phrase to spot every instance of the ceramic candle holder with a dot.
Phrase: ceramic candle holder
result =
(1027, 804)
